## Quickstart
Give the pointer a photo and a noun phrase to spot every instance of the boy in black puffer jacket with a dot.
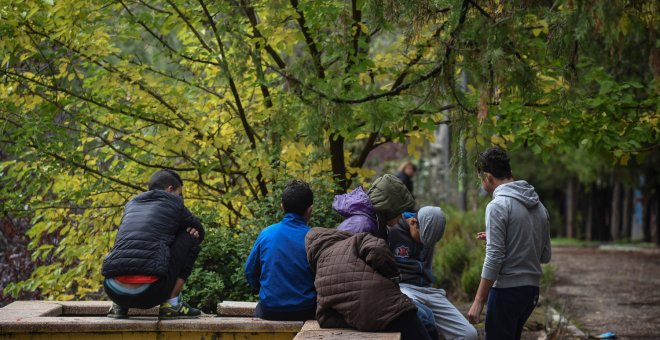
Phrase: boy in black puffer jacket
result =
(155, 248)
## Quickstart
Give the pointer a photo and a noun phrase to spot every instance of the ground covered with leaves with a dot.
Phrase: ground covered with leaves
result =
(612, 289)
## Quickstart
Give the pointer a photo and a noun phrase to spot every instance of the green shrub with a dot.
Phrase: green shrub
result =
(547, 277)
(218, 272)
(470, 279)
(459, 256)
(449, 262)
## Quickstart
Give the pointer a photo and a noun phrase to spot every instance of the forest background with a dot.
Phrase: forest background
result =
(239, 96)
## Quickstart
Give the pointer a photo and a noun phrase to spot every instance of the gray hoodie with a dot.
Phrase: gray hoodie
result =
(518, 236)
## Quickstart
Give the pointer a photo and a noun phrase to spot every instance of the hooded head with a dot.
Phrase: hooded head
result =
(390, 198)
(355, 202)
(431, 228)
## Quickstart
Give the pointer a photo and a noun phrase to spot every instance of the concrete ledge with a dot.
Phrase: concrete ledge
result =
(236, 308)
(32, 308)
(23, 317)
(312, 330)
(99, 308)
(86, 319)
(145, 324)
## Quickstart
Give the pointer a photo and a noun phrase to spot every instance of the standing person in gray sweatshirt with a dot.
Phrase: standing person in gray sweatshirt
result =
(517, 242)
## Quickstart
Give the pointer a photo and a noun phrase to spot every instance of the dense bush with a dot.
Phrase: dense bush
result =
(459, 256)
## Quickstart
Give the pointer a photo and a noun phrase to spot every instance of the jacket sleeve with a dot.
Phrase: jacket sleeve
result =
(375, 252)
(189, 220)
(253, 265)
(546, 255)
(496, 218)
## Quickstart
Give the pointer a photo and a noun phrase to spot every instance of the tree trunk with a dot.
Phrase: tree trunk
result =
(626, 215)
(656, 217)
(570, 208)
(615, 221)
(590, 215)
(338, 163)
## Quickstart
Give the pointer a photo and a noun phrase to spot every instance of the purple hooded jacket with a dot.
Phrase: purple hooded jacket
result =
(358, 213)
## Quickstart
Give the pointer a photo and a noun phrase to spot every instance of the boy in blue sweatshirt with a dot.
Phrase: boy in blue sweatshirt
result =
(517, 242)
(277, 264)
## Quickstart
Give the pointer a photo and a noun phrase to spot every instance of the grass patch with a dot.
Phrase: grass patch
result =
(563, 241)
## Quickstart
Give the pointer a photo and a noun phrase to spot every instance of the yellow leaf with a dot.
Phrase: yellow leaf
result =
(497, 140)
(624, 25)
(625, 158)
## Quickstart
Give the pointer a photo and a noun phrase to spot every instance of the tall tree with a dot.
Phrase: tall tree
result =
(96, 95)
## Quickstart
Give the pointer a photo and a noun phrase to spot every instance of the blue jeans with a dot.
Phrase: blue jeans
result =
(425, 315)
(507, 311)
(301, 315)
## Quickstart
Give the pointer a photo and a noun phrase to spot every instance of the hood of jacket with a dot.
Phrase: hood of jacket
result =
(431, 225)
(431, 228)
(390, 197)
(355, 202)
(520, 190)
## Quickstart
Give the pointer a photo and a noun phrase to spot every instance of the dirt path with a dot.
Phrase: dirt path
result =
(609, 290)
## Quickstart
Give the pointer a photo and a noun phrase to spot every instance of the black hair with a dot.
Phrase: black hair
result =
(164, 178)
(297, 197)
(494, 161)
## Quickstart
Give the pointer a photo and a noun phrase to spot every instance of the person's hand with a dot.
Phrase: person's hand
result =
(193, 232)
(412, 222)
(474, 314)
(481, 236)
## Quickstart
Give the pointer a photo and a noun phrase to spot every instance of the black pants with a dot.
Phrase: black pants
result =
(410, 326)
(302, 315)
(507, 311)
(183, 253)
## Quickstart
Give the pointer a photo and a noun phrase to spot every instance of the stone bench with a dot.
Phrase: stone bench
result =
(311, 328)
(87, 320)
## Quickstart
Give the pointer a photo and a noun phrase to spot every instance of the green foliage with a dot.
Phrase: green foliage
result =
(547, 277)
(450, 262)
(471, 278)
(459, 256)
(95, 96)
(218, 272)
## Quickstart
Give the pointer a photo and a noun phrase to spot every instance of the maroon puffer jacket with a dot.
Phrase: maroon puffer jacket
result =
(355, 280)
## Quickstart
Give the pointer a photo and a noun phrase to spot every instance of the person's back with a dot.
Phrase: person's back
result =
(155, 249)
(277, 264)
(356, 280)
(524, 234)
(517, 242)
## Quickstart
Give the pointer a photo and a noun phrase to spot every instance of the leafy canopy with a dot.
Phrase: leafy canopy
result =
(236, 95)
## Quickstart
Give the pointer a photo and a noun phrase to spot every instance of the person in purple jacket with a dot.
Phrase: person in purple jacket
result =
(371, 211)
(357, 211)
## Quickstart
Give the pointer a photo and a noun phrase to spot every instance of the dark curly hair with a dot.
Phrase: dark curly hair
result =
(494, 161)
(297, 197)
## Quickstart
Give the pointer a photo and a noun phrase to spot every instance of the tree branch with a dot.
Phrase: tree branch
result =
(313, 50)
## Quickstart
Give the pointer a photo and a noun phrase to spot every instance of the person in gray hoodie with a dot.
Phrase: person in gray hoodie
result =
(517, 242)
(412, 242)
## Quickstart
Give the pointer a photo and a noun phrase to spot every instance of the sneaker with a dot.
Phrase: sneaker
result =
(182, 311)
(118, 312)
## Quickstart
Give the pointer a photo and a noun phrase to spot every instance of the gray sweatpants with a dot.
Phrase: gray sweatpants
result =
(450, 322)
